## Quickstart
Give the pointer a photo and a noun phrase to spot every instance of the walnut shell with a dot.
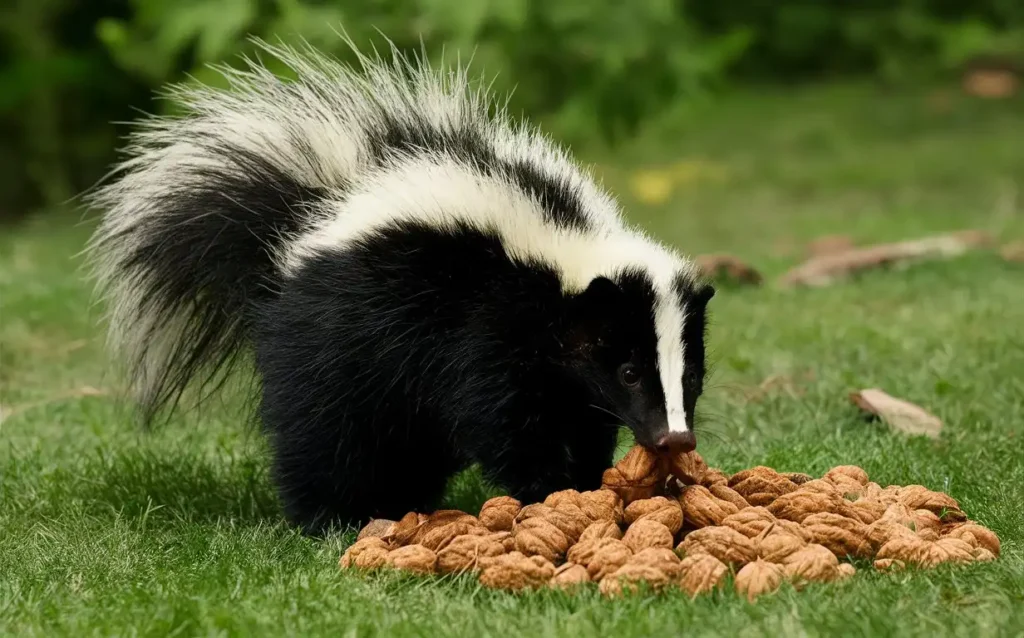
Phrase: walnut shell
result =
(535, 510)
(630, 578)
(668, 513)
(845, 570)
(724, 543)
(777, 544)
(498, 513)
(819, 485)
(555, 499)
(927, 553)
(758, 578)
(371, 558)
(613, 480)
(701, 573)
(889, 564)
(600, 529)
(763, 487)
(847, 472)
(569, 576)
(407, 534)
(813, 563)
(868, 510)
(658, 557)
(584, 551)
(688, 468)
(463, 553)
(918, 497)
(608, 558)
(925, 520)
(413, 558)
(378, 528)
(437, 537)
(750, 521)
(505, 539)
(799, 478)
(602, 505)
(515, 572)
(538, 536)
(639, 464)
(798, 505)
(348, 559)
(714, 476)
(759, 470)
(406, 528)
(647, 533)
(701, 508)
(975, 535)
(983, 555)
(841, 535)
(723, 492)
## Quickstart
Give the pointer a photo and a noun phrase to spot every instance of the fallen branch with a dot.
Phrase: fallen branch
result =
(825, 269)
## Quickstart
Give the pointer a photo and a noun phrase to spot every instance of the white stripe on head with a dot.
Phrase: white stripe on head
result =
(668, 326)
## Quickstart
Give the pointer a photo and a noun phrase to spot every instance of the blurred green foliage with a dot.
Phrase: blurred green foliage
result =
(590, 68)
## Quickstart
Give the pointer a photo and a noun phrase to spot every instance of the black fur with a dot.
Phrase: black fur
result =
(204, 253)
(389, 367)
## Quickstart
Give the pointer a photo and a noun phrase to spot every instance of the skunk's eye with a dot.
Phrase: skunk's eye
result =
(629, 374)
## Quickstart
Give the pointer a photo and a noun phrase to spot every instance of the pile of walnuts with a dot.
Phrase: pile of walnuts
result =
(658, 523)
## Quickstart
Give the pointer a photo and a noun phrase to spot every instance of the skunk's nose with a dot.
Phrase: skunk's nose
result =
(677, 443)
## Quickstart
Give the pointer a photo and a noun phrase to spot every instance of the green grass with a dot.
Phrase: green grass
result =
(105, 530)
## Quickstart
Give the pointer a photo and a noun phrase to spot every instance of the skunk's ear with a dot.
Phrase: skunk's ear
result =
(593, 314)
(702, 295)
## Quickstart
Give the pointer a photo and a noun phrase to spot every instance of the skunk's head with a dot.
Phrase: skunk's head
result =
(638, 346)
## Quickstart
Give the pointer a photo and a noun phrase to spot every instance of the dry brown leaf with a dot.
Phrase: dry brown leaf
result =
(829, 245)
(898, 414)
(758, 578)
(1013, 251)
(727, 268)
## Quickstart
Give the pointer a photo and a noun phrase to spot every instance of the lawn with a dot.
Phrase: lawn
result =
(107, 530)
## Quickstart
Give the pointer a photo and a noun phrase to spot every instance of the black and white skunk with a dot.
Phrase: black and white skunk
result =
(424, 286)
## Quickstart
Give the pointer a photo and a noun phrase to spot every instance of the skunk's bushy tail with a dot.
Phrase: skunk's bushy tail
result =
(197, 217)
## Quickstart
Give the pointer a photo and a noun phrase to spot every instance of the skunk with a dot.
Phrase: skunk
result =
(422, 284)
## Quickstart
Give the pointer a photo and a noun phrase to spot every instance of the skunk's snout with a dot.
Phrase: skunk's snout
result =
(676, 443)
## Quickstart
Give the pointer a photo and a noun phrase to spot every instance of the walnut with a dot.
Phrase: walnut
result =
(536, 510)
(975, 535)
(819, 485)
(759, 470)
(796, 529)
(841, 535)
(845, 570)
(847, 472)
(584, 551)
(378, 528)
(776, 544)
(714, 476)
(406, 528)
(798, 478)
(499, 513)
(538, 536)
(601, 505)
(798, 505)
(758, 578)
(868, 510)
(555, 499)
(762, 487)
(413, 558)
(983, 555)
(505, 539)
(750, 521)
(701, 573)
(923, 553)
(348, 559)
(918, 497)
(701, 508)
(437, 537)
(410, 531)
(813, 563)
(464, 553)
(658, 557)
(881, 532)
(889, 564)
(600, 529)
(647, 533)
(608, 558)
(724, 543)
(925, 520)
(630, 578)
(688, 468)
(569, 576)
(669, 513)
(568, 518)
(638, 475)
(515, 571)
